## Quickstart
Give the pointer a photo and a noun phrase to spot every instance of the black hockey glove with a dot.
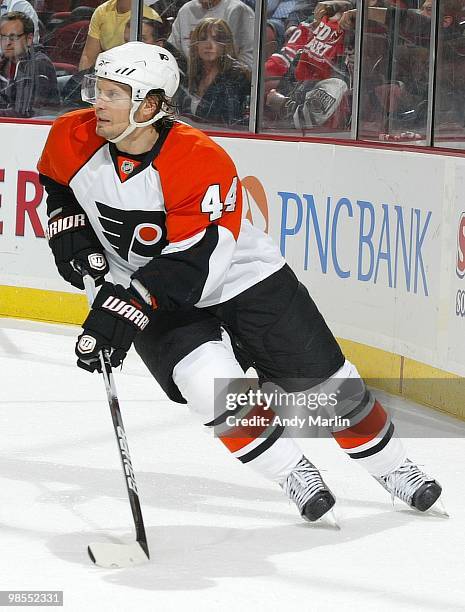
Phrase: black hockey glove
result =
(116, 317)
(75, 246)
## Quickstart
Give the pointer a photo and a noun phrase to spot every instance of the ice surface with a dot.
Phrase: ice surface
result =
(220, 537)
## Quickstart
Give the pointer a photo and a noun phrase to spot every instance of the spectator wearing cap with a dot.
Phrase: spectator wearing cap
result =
(274, 37)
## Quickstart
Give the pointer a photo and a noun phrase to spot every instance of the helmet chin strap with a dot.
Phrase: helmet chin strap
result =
(134, 124)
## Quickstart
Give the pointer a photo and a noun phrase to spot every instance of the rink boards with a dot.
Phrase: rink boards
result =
(377, 235)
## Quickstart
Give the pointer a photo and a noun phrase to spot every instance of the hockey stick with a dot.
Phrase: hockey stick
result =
(106, 554)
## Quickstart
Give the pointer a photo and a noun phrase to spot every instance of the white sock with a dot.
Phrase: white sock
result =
(278, 461)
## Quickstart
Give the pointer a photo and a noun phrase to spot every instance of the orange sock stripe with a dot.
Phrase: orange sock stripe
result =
(235, 444)
(238, 437)
(366, 430)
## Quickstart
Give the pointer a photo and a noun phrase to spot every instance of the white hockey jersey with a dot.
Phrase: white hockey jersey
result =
(171, 218)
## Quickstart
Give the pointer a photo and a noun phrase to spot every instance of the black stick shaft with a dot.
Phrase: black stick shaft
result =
(120, 433)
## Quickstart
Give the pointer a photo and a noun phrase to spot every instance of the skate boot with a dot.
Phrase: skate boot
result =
(307, 489)
(412, 486)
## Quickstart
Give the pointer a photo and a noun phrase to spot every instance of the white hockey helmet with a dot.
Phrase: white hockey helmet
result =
(141, 66)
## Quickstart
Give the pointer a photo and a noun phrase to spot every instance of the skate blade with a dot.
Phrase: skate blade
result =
(330, 519)
(115, 556)
(438, 509)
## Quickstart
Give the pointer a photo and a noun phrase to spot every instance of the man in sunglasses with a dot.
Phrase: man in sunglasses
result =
(28, 83)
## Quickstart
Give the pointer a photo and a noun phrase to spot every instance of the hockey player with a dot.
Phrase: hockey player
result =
(157, 204)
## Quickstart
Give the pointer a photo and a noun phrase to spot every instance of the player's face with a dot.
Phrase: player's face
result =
(14, 41)
(209, 49)
(112, 106)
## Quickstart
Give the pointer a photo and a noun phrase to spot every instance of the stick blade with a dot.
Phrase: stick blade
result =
(114, 556)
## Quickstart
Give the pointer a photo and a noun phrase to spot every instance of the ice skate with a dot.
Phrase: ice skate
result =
(307, 489)
(412, 486)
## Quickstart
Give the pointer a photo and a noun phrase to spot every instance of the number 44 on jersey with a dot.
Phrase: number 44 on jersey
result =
(212, 204)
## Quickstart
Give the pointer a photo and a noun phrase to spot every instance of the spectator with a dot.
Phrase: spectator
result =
(427, 8)
(21, 6)
(402, 102)
(274, 37)
(28, 81)
(153, 32)
(307, 81)
(414, 26)
(106, 29)
(303, 11)
(167, 9)
(156, 33)
(314, 48)
(238, 16)
(288, 12)
(219, 85)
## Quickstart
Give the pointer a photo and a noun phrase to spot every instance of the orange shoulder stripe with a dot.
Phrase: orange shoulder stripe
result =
(189, 163)
(70, 144)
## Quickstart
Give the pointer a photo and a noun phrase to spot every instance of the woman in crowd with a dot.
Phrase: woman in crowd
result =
(218, 84)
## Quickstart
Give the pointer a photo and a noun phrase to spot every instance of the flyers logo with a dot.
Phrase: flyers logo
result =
(256, 202)
(133, 233)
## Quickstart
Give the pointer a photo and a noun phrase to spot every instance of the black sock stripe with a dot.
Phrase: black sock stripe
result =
(360, 407)
(219, 420)
(237, 412)
(261, 448)
(374, 449)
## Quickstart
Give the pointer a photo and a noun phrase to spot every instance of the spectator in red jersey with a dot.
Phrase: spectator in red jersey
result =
(317, 46)
(307, 79)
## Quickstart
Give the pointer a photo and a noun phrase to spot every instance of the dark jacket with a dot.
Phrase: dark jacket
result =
(226, 100)
(33, 90)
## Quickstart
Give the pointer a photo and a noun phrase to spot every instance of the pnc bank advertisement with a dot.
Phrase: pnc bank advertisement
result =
(381, 250)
